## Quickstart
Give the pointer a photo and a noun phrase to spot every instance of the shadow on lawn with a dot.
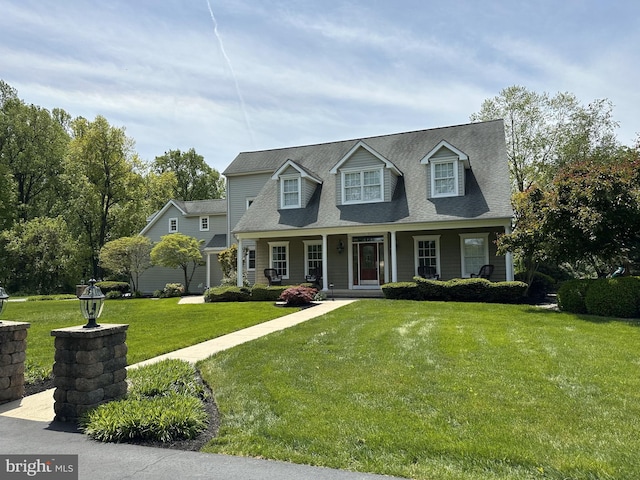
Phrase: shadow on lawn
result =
(634, 322)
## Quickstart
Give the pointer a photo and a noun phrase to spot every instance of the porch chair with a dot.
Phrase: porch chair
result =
(315, 276)
(273, 276)
(426, 271)
(485, 272)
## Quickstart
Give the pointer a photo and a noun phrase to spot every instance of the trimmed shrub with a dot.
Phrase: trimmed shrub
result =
(265, 293)
(468, 289)
(401, 291)
(227, 294)
(507, 292)
(106, 287)
(298, 296)
(571, 295)
(431, 289)
(614, 297)
(541, 285)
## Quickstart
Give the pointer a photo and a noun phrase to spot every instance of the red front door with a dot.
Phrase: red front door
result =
(368, 263)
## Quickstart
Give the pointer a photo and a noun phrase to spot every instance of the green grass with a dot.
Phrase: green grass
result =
(438, 390)
(155, 326)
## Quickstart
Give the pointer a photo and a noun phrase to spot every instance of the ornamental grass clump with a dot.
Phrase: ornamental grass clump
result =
(164, 403)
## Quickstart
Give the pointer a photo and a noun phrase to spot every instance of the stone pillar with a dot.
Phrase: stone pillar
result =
(13, 347)
(89, 369)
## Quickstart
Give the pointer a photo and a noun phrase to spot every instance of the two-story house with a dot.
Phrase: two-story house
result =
(205, 220)
(369, 211)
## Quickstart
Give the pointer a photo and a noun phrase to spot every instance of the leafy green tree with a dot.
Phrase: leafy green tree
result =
(195, 180)
(594, 212)
(32, 147)
(590, 214)
(129, 256)
(42, 255)
(545, 132)
(177, 250)
(104, 186)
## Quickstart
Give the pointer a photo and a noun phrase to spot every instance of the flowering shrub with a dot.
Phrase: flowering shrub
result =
(298, 296)
(171, 290)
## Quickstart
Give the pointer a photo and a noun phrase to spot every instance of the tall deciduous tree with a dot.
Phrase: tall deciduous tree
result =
(101, 176)
(178, 251)
(129, 256)
(195, 180)
(33, 143)
(544, 132)
(42, 255)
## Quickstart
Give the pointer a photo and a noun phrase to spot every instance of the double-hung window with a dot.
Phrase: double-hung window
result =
(290, 192)
(279, 257)
(173, 225)
(313, 259)
(474, 252)
(204, 224)
(362, 186)
(427, 252)
(444, 179)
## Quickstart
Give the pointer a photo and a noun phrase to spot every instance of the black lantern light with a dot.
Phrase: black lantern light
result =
(4, 298)
(91, 303)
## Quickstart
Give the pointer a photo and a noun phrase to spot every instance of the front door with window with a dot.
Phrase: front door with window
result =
(368, 261)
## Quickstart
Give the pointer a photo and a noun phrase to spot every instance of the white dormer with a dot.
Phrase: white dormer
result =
(296, 184)
(446, 167)
(365, 176)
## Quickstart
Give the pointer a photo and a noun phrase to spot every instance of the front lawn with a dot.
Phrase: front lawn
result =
(435, 390)
(155, 326)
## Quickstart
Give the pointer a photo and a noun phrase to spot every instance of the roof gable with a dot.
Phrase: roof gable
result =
(446, 146)
(304, 173)
(388, 164)
(189, 209)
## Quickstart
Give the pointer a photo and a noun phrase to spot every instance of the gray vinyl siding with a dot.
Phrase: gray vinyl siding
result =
(238, 190)
(156, 278)
(308, 187)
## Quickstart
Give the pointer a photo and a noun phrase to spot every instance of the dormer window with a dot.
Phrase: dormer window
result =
(365, 176)
(446, 169)
(296, 184)
(362, 186)
(290, 189)
(444, 177)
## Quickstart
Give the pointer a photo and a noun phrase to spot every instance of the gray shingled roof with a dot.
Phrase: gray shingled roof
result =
(203, 207)
(488, 190)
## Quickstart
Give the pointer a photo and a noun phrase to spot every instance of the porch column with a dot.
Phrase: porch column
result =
(394, 258)
(508, 258)
(208, 270)
(240, 268)
(325, 263)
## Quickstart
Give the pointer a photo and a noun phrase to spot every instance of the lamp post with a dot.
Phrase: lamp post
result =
(4, 298)
(91, 303)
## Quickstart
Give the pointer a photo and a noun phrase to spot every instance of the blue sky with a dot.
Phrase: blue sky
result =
(280, 73)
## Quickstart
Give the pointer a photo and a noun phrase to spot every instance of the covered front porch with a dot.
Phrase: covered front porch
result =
(367, 259)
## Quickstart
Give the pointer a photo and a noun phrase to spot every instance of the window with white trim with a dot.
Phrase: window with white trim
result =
(474, 252)
(251, 258)
(444, 178)
(290, 192)
(362, 186)
(173, 225)
(204, 224)
(250, 201)
(427, 252)
(279, 257)
(313, 256)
